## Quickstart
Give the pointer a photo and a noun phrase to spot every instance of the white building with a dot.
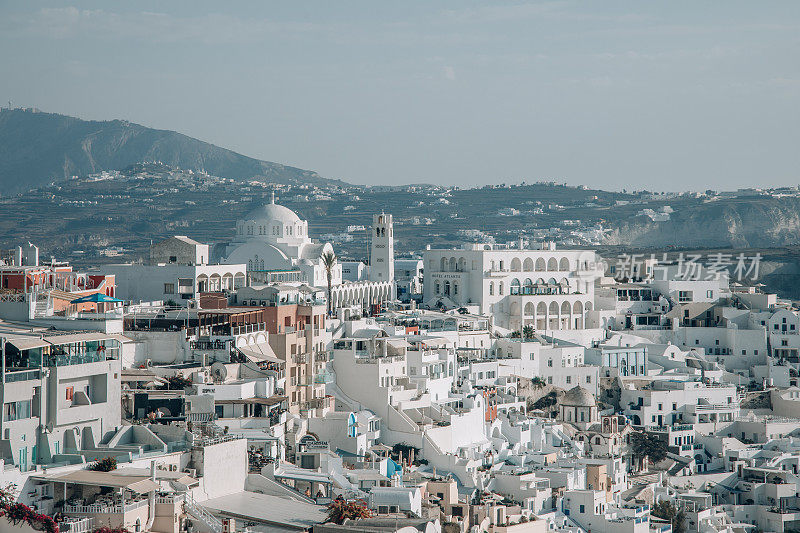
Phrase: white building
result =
(546, 289)
(273, 237)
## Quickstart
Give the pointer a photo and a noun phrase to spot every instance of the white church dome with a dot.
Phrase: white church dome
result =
(274, 213)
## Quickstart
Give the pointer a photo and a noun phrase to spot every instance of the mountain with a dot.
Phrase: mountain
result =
(38, 148)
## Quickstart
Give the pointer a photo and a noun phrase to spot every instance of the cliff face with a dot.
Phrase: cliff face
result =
(39, 148)
(753, 223)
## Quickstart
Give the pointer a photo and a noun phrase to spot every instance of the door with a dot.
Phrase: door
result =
(23, 459)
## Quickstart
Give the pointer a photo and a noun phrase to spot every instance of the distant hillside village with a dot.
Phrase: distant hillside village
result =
(499, 379)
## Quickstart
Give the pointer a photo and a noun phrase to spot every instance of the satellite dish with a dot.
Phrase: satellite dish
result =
(218, 371)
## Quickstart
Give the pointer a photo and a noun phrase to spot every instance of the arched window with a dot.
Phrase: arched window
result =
(352, 426)
(528, 286)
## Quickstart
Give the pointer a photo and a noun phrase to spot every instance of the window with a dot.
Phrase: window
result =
(16, 410)
(550, 363)
(549, 380)
(582, 509)
(70, 391)
(588, 379)
(169, 288)
(684, 296)
(569, 380)
(674, 406)
(709, 294)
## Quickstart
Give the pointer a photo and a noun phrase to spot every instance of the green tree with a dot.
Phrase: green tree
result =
(666, 510)
(644, 444)
(329, 261)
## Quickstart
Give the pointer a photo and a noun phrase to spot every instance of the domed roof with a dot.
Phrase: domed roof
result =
(273, 212)
(579, 397)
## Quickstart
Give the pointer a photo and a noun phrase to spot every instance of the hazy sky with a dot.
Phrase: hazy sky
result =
(657, 95)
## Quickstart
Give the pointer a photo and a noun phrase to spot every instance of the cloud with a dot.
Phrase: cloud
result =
(449, 72)
(213, 28)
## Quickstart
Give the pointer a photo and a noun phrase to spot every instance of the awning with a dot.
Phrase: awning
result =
(27, 343)
(97, 298)
(188, 481)
(398, 342)
(144, 486)
(77, 337)
(137, 484)
(269, 402)
(260, 351)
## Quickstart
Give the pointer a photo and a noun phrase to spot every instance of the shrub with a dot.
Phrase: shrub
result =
(17, 513)
(106, 464)
(340, 510)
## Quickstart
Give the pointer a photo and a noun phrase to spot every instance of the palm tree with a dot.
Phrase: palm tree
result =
(329, 261)
(528, 332)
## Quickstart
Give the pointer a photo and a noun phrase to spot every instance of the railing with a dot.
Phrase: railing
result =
(200, 512)
(715, 407)
(12, 297)
(208, 345)
(76, 525)
(170, 499)
(209, 441)
(25, 375)
(78, 359)
(98, 508)
(677, 427)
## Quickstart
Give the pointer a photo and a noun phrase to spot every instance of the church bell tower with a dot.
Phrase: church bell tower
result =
(381, 266)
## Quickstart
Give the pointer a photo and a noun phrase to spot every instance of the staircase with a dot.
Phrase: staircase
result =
(40, 306)
(200, 513)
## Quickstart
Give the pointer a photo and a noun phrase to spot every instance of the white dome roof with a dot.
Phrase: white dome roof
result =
(274, 213)
(579, 397)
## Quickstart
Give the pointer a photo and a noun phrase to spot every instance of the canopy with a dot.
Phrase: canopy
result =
(139, 484)
(260, 351)
(96, 298)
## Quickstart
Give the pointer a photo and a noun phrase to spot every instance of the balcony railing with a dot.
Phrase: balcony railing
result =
(99, 508)
(25, 375)
(76, 525)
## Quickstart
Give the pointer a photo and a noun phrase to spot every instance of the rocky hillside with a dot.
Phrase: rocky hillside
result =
(38, 148)
(739, 223)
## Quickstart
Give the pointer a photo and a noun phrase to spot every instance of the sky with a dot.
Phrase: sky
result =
(678, 95)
